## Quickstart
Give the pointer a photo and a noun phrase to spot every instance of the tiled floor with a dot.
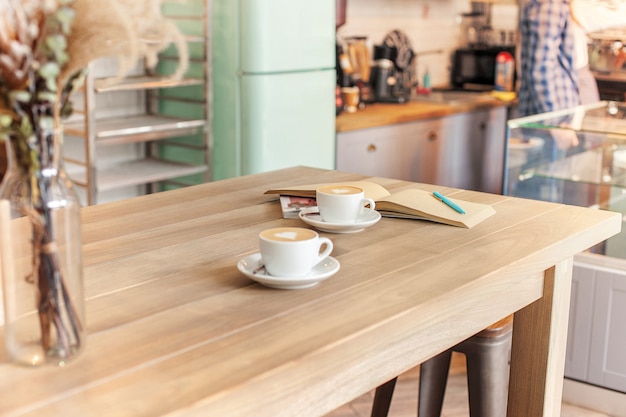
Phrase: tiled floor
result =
(404, 402)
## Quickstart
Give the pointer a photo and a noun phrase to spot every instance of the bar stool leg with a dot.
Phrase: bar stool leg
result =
(382, 398)
(487, 354)
(433, 380)
(487, 374)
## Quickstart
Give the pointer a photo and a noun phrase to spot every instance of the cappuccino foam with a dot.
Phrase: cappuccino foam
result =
(288, 234)
(340, 190)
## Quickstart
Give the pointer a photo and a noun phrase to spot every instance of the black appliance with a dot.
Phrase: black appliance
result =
(611, 86)
(387, 79)
(475, 68)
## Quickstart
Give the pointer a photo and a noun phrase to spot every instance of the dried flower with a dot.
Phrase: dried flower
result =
(126, 29)
(45, 48)
(33, 42)
(45, 45)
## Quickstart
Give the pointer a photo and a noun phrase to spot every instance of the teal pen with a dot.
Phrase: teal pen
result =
(448, 202)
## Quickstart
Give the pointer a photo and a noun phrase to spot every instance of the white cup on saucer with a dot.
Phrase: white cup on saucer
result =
(342, 204)
(292, 251)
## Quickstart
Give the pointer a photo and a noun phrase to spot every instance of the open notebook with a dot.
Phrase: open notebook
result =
(411, 203)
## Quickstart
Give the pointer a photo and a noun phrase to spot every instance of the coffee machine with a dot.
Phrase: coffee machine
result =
(387, 80)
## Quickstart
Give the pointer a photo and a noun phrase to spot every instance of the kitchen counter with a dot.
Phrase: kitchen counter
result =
(451, 138)
(382, 114)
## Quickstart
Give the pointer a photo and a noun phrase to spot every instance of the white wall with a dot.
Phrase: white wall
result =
(429, 24)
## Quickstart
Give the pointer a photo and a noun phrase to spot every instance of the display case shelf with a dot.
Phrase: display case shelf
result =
(585, 167)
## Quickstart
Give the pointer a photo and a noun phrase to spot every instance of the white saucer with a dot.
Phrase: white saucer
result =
(312, 217)
(252, 267)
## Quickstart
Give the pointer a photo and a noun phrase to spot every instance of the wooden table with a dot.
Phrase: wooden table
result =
(175, 329)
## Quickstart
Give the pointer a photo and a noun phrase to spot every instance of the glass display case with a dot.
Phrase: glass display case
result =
(578, 157)
(575, 156)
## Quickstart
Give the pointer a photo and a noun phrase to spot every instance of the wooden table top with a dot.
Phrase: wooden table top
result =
(175, 329)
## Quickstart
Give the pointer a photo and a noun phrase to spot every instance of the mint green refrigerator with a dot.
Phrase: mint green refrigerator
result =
(273, 77)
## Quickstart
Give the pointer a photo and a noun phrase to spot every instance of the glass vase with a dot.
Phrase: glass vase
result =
(40, 253)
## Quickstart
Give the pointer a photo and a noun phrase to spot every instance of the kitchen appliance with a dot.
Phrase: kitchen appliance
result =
(475, 68)
(607, 51)
(607, 60)
(611, 86)
(353, 65)
(385, 80)
(393, 75)
(274, 81)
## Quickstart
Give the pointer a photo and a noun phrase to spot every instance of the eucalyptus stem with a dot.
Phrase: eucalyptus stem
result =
(58, 318)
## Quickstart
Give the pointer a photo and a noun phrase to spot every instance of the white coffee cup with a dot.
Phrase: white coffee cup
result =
(342, 203)
(292, 251)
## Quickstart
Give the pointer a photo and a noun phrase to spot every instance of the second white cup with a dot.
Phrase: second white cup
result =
(342, 203)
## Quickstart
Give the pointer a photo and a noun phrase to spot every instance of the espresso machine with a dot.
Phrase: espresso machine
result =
(388, 81)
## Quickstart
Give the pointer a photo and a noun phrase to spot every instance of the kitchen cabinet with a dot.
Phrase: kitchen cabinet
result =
(463, 150)
(405, 151)
(578, 156)
(596, 337)
(136, 118)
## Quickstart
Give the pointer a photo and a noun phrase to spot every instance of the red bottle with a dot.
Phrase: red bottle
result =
(505, 66)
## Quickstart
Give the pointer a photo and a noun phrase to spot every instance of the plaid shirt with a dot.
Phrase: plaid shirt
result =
(548, 76)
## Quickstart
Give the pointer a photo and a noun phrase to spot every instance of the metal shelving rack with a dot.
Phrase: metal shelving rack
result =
(151, 130)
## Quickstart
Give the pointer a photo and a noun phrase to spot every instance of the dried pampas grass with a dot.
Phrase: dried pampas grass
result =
(20, 27)
(47, 45)
(125, 29)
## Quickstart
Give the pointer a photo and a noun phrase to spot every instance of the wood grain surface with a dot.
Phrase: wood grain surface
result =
(382, 114)
(174, 329)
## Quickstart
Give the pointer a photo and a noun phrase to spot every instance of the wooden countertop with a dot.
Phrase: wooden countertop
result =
(174, 329)
(381, 114)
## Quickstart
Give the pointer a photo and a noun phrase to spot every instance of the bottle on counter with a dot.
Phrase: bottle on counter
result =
(505, 67)
(426, 80)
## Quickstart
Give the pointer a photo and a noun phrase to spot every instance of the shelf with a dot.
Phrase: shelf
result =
(137, 172)
(144, 82)
(129, 119)
(585, 167)
(610, 126)
(139, 128)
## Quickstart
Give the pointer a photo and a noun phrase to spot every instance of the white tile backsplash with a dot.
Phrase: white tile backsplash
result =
(430, 25)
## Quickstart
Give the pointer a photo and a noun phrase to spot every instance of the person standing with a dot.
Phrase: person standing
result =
(548, 82)
(548, 79)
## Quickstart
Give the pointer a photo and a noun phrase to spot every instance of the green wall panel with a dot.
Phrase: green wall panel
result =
(195, 98)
